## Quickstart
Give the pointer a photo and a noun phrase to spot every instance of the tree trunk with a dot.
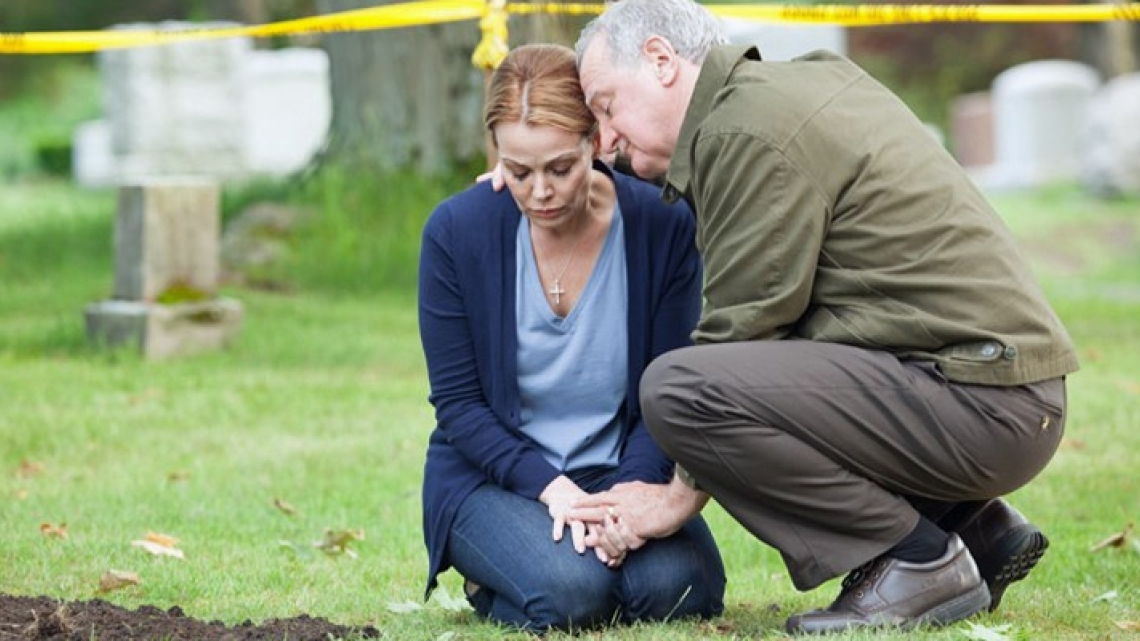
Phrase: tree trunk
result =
(243, 11)
(1119, 46)
(403, 98)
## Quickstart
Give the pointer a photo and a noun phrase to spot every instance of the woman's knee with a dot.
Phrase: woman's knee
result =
(687, 592)
(572, 603)
(681, 577)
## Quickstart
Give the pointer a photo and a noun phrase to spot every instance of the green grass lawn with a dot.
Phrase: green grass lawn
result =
(321, 404)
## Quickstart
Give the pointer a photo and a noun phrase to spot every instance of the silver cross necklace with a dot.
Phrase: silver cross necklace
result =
(556, 290)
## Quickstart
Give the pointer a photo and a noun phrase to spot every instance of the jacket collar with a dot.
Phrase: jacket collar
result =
(715, 72)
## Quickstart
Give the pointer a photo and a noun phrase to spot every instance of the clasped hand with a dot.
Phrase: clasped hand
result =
(602, 535)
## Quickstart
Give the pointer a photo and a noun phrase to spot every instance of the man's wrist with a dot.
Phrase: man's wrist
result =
(685, 477)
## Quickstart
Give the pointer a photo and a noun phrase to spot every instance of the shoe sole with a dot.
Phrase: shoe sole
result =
(957, 609)
(961, 607)
(1011, 560)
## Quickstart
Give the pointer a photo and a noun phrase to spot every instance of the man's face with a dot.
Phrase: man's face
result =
(632, 107)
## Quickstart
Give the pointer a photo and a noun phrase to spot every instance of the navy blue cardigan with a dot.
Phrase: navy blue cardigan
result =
(468, 330)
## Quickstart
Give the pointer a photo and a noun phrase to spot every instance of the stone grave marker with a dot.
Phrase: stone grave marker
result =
(972, 129)
(165, 297)
(1111, 159)
(1040, 111)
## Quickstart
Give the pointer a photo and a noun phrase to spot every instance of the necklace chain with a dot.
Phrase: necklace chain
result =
(556, 290)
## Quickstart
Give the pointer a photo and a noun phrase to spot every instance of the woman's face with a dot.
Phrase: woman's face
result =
(547, 170)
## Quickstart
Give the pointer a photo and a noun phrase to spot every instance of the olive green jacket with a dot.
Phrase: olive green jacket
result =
(826, 211)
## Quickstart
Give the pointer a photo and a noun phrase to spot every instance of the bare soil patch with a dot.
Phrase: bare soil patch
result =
(42, 619)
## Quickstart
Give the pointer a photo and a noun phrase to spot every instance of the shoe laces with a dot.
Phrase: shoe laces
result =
(856, 577)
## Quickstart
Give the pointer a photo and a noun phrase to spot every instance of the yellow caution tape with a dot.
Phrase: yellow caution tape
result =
(887, 14)
(493, 25)
(406, 14)
(493, 47)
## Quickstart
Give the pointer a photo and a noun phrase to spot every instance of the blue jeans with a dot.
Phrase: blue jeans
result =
(501, 542)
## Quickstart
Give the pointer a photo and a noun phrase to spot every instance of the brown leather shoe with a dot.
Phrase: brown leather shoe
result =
(889, 593)
(1004, 545)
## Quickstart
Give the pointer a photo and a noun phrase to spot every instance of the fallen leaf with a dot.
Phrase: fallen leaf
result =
(177, 476)
(58, 531)
(978, 632)
(29, 468)
(284, 507)
(164, 540)
(450, 603)
(336, 542)
(115, 579)
(159, 545)
(1128, 626)
(1107, 596)
(404, 607)
(1092, 354)
(719, 629)
(21, 494)
(1118, 540)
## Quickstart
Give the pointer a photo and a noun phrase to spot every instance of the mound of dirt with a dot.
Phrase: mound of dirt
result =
(43, 619)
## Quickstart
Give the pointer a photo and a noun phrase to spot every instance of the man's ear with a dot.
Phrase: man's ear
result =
(661, 56)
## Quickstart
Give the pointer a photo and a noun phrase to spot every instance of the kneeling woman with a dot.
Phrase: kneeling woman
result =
(539, 308)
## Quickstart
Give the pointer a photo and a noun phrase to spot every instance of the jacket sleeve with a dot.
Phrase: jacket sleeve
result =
(674, 310)
(463, 412)
(762, 228)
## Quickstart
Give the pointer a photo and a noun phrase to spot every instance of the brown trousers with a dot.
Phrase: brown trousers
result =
(823, 451)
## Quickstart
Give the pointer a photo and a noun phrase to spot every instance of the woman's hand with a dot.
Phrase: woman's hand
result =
(606, 540)
(558, 497)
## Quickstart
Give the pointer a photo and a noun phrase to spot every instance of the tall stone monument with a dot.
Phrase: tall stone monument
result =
(165, 298)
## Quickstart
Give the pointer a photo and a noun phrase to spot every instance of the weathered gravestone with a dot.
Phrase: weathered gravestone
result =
(1040, 111)
(1112, 148)
(287, 109)
(166, 272)
(786, 41)
(215, 108)
(176, 109)
(972, 129)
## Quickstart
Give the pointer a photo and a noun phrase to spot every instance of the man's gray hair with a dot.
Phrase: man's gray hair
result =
(689, 27)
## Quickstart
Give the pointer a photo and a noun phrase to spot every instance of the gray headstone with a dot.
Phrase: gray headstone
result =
(786, 41)
(166, 272)
(176, 109)
(93, 163)
(972, 129)
(1040, 109)
(166, 235)
(282, 140)
(1112, 152)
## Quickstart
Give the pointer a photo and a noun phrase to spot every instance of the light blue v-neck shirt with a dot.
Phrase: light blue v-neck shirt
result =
(573, 370)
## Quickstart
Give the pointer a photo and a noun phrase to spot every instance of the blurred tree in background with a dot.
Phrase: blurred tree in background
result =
(403, 97)
(411, 98)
